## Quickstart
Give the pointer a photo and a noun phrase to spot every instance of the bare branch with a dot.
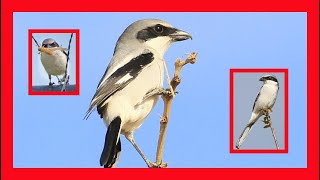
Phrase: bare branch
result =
(167, 105)
(267, 121)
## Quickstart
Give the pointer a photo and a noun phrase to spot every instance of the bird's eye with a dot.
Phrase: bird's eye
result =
(158, 29)
(54, 44)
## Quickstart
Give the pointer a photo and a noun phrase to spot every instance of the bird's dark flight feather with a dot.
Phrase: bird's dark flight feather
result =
(255, 101)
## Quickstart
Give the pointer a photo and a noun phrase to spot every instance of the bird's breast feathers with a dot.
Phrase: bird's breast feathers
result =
(54, 64)
(267, 97)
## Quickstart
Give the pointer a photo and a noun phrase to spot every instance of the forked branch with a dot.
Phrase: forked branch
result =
(176, 80)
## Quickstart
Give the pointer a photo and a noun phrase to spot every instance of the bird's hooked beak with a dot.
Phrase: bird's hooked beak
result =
(180, 35)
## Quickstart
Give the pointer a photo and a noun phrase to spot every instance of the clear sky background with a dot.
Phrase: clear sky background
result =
(49, 131)
(39, 74)
(246, 89)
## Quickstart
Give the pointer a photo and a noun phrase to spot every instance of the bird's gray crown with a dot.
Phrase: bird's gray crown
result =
(269, 77)
(147, 29)
(49, 42)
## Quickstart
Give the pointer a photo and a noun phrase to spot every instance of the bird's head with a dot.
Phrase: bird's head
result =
(49, 43)
(269, 79)
(152, 33)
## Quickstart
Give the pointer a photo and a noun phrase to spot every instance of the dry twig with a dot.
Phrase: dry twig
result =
(267, 121)
(167, 105)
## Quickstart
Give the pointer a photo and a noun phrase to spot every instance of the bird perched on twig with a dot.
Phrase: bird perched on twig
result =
(54, 61)
(132, 83)
(264, 103)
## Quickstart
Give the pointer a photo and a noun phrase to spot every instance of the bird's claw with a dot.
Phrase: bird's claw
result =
(158, 91)
(155, 165)
(167, 92)
(266, 126)
(266, 120)
(51, 83)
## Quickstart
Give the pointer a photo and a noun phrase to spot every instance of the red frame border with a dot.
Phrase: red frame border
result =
(286, 95)
(309, 6)
(56, 31)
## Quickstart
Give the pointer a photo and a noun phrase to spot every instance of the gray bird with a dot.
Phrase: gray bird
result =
(132, 83)
(264, 102)
(55, 63)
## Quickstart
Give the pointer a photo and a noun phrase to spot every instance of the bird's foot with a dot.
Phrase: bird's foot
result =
(167, 92)
(155, 165)
(158, 91)
(266, 120)
(51, 83)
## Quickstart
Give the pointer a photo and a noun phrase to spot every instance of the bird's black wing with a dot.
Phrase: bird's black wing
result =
(255, 101)
(118, 80)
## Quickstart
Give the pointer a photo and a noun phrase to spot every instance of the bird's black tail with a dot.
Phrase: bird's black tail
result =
(112, 146)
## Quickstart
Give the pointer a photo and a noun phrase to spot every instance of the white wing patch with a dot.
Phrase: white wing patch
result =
(124, 79)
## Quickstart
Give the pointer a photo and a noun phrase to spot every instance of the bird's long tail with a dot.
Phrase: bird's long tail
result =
(112, 145)
(246, 130)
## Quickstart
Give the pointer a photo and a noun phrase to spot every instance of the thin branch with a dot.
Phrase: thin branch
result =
(66, 76)
(267, 121)
(36, 41)
(167, 105)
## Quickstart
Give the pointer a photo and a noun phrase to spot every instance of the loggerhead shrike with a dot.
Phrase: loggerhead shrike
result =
(55, 63)
(264, 102)
(132, 83)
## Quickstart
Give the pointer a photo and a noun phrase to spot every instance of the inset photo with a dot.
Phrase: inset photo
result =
(53, 62)
(258, 110)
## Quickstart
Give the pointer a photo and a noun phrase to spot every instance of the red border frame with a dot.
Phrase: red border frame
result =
(56, 31)
(309, 6)
(286, 95)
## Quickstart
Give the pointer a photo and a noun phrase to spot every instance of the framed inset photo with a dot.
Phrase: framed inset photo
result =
(53, 62)
(259, 111)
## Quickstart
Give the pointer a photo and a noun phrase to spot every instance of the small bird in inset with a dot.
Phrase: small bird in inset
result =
(132, 83)
(54, 62)
(264, 103)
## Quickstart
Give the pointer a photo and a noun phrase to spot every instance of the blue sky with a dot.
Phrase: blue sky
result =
(49, 131)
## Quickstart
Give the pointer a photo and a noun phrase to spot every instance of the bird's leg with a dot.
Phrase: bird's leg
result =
(50, 83)
(158, 91)
(59, 80)
(130, 138)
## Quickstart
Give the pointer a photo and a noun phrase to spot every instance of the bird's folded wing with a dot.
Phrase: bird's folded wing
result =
(255, 101)
(118, 80)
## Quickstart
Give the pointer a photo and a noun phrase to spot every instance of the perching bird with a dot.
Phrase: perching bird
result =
(132, 83)
(264, 102)
(55, 63)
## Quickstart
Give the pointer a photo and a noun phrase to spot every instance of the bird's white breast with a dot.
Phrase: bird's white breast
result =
(54, 64)
(268, 95)
(128, 103)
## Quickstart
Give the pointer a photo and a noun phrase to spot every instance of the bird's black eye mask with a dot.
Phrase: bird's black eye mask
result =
(155, 31)
(54, 44)
(271, 78)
